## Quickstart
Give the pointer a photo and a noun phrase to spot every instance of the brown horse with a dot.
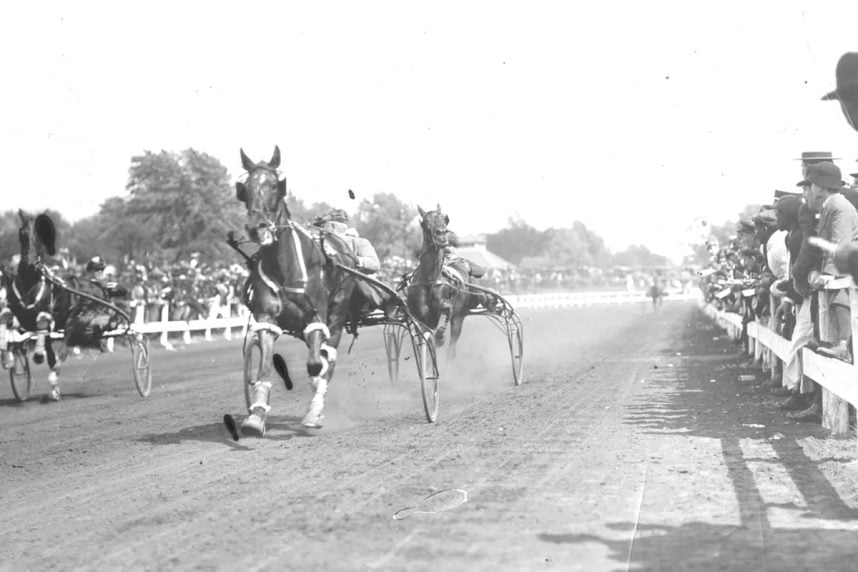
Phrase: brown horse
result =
(37, 304)
(436, 294)
(295, 286)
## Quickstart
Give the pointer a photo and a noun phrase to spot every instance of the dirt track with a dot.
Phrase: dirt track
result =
(616, 452)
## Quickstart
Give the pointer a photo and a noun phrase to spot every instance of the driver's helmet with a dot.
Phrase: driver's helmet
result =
(95, 264)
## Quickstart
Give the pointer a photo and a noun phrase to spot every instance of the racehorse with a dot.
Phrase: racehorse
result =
(295, 285)
(437, 294)
(38, 304)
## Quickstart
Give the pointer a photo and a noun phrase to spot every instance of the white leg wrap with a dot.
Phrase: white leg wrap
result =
(314, 413)
(261, 390)
(265, 326)
(326, 333)
(329, 353)
(53, 378)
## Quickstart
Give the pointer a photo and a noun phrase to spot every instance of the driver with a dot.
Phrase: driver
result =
(95, 270)
(336, 221)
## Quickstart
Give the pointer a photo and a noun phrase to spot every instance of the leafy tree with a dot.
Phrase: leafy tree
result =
(516, 241)
(568, 247)
(184, 200)
(639, 256)
(389, 224)
(301, 212)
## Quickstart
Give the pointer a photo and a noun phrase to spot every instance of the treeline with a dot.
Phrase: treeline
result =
(178, 203)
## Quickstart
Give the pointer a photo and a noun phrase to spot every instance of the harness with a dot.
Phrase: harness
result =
(43, 289)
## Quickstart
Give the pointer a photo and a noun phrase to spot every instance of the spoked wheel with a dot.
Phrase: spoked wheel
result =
(393, 336)
(515, 335)
(19, 374)
(141, 369)
(252, 365)
(427, 368)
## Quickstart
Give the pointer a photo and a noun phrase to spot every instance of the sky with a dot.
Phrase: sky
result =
(635, 118)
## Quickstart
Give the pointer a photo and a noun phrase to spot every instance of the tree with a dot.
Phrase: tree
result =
(568, 247)
(516, 241)
(639, 256)
(389, 224)
(185, 201)
(301, 212)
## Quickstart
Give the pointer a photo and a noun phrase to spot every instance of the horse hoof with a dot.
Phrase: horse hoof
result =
(54, 395)
(312, 421)
(253, 425)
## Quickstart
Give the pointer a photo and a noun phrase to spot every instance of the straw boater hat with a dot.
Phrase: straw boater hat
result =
(814, 156)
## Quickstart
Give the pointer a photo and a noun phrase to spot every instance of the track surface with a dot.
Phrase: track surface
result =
(616, 453)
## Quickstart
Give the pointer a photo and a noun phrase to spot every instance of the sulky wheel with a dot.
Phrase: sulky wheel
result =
(427, 368)
(252, 364)
(393, 336)
(515, 336)
(141, 369)
(19, 373)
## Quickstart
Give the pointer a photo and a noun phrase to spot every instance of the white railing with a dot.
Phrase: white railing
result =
(838, 379)
(576, 299)
(165, 326)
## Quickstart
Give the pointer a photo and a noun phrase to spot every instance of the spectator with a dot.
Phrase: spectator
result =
(838, 224)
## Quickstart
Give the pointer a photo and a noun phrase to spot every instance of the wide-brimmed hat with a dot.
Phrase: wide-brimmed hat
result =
(766, 217)
(825, 174)
(817, 156)
(846, 75)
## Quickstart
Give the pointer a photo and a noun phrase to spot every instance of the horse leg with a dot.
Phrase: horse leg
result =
(43, 330)
(319, 368)
(254, 424)
(54, 375)
(443, 320)
(455, 331)
(6, 321)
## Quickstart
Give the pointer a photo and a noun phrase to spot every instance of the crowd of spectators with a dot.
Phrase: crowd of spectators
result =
(776, 272)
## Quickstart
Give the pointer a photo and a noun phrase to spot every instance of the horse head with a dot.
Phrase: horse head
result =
(434, 225)
(37, 237)
(263, 192)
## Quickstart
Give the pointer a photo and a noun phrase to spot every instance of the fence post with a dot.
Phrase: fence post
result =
(165, 318)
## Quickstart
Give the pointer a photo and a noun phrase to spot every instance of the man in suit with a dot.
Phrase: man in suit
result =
(838, 224)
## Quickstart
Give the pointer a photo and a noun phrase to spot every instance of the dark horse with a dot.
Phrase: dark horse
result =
(38, 304)
(296, 286)
(437, 294)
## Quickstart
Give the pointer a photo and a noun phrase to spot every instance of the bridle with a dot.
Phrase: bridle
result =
(270, 220)
(436, 240)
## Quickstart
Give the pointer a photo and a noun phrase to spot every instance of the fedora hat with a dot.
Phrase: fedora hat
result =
(846, 75)
(846, 92)
(826, 175)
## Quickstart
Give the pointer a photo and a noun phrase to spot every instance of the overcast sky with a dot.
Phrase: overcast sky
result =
(632, 117)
